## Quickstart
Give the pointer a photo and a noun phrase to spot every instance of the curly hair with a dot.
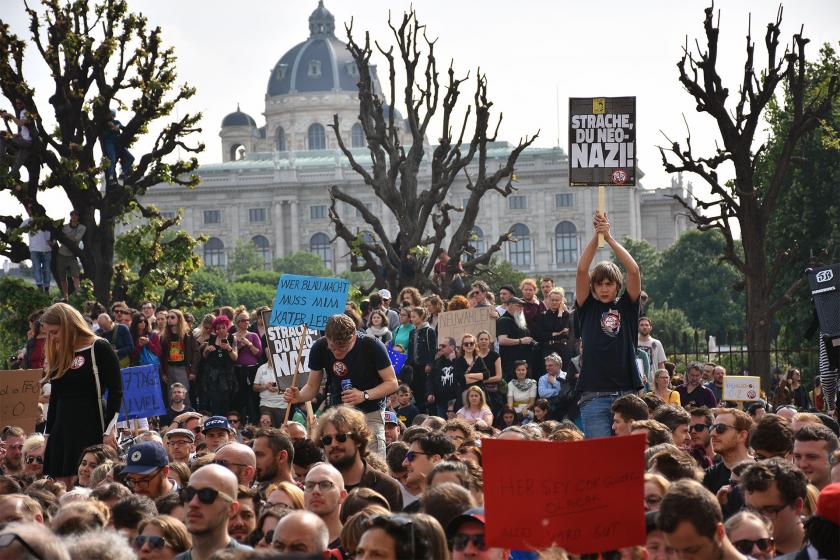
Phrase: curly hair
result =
(347, 420)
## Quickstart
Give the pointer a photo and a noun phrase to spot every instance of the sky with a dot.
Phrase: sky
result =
(535, 53)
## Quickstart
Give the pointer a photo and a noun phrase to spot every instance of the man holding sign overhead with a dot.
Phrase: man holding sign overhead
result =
(359, 373)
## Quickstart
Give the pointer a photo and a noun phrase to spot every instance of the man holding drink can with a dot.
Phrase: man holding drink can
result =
(359, 374)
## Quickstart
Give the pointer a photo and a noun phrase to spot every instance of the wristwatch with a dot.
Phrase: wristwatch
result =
(367, 396)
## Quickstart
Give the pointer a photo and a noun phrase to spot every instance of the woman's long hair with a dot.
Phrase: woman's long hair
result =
(73, 329)
(134, 329)
(474, 351)
(181, 328)
(475, 389)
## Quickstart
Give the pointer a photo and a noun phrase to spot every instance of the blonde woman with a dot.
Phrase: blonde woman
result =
(161, 538)
(76, 418)
(475, 407)
(284, 494)
(662, 387)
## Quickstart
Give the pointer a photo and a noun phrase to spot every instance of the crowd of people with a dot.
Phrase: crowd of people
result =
(363, 461)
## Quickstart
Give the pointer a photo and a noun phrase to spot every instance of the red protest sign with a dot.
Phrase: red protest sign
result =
(585, 496)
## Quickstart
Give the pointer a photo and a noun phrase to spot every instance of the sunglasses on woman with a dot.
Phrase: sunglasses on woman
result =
(205, 495)
(745, 546)
(155, 542)
(33, 459)
(340, 438)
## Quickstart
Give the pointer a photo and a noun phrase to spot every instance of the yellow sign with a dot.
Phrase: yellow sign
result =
(599, 105)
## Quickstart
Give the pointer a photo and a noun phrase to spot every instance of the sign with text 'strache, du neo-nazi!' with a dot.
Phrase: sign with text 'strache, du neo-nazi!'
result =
(308, 300)
(602, 141)
(142, 396)
(285, 345)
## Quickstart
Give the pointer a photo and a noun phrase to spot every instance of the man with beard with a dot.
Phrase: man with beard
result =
(147, 470)
(274, 452)
(716, 384)
(13, 437)
(344, 434)
(323, 494)
(423, 454)
(240, 460)
(651, 346)
(177, 405)
(505, 293)
(532, 306)
(515, 342)
(241, 525)
(440, 384)
(730, 433)
(693, 393)
(210, 499)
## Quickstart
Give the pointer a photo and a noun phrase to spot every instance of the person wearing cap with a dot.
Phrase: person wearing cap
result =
(344, 435)
(147, 470)
(217, 432)
(393, 429)
(824, 527)
(382, 300)
(505, 293)
(345, 355)
(466, 537)
(515, 341)
(180, 445)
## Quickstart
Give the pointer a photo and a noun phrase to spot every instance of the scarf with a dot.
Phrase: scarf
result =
(522, 384)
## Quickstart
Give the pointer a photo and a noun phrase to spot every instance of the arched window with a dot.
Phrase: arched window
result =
(565, 243)
(519, 248)
(263, 249)
(237, 152)
(357, 136)
(316, 137)
(320, 245)
(281, 140)
(214, 253)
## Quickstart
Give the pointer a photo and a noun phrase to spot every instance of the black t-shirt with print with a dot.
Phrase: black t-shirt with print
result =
(361, 365)
(609, 333)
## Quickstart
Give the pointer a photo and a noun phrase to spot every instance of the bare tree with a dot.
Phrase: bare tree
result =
(744, 200)
(100, 56)
(406, 257)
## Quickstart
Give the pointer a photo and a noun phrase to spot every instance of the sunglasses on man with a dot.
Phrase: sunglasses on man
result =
(340, 438)
(206, 496)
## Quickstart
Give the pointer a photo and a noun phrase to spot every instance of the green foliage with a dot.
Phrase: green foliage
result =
(211, 285)
(250, 294)
(18, 299)
(154, 261)
(244, 260)
(263, 277)
(308, 264)
(691, 278)
(672, 327)
(806, 220)
(497, 274)
(648, 258)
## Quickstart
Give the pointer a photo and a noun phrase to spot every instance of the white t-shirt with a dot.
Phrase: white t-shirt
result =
(38, 240)
(24, 130)
(268, 398)
(653, 348)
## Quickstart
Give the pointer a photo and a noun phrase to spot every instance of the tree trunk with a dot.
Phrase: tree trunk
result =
(758, 302)
(98, 254)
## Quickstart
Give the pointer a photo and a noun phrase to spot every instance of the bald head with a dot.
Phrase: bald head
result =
(301, 532)
(325, 470)
(104, 321)
(215, 476)
(240, 460)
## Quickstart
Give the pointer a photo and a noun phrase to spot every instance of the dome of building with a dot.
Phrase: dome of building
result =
(321, 63)
(238, 118)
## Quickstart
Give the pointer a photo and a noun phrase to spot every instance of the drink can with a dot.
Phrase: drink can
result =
(346, 384)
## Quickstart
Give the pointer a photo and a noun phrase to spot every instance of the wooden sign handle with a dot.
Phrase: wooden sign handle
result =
(601, 205)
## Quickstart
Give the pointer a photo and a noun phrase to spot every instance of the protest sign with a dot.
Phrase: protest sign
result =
(284, 343)
(455, 324)
(538, 494)
(602, 141)
(142, 396)
(741, 388)
(19, 392)
(397, 359)
(309, 300)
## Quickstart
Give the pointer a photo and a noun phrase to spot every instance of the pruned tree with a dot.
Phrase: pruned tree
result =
(424, 217)
(100, 57)
(745, 201)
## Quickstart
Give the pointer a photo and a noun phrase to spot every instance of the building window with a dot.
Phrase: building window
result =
(519, 247)
(256, 215)
(357, 136)
(280, 71)
(263, 249)
(564, 200)
(565, 243)
(320, 245)
(314, 68)
(316, 137)
(518, 202)
(214, 253)
(281, 140)
(317, 212)
(212, 217)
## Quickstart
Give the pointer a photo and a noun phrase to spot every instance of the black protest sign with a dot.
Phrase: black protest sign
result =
(284, 344)
(602, 141)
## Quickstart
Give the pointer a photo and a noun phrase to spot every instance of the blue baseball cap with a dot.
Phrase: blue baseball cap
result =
(216, 423)
(145, 458)
(391, 417)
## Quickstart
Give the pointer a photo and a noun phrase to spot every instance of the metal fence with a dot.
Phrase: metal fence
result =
(729, 349)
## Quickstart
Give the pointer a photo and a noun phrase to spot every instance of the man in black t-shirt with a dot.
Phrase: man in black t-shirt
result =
(609, 327)
(346, 355)
(515, 341)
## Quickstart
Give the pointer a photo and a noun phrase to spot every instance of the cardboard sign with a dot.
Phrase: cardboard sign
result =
(19, 392)
(142, 395)
(602, 141)
(456, 324)
(308, 300)
(397, 359)
(284, 343)
(741, 388)
(538, 494)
